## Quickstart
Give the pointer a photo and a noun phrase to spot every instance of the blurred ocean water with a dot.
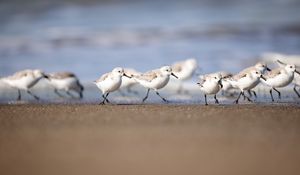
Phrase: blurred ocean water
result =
(91, 37)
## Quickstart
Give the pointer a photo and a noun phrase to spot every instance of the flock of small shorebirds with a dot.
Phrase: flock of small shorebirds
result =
(209, 84)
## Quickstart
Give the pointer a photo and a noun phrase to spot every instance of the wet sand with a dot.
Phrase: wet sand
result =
(149, 139)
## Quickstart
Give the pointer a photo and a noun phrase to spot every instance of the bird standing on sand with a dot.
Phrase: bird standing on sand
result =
(296, 83)
(260, 67)
(110, 82)
(210, 84)
(280, 77)
(155, 79)
(67, 82)
(25, 80)
(223, 75)
(184, 70)
(245, 81)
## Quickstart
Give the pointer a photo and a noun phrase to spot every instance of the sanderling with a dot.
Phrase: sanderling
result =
(223, 75)
(296, 80)
(210, 84)
(280, 77)
(296, 83)
(184, 70)
(261, 67)
(65, 81)
(128, 83)
(155, 79)
(110, 82)
(245, 81)
(24, 80)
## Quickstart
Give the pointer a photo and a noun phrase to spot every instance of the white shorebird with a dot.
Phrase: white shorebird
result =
(226, 85)
(261, 67)
(184, 70)
(296, 80)
(210, 84)
(245, 81)
(128, 83)
(155, 79)
(110, 82)
(280, 77)
(24, 80)
(67, 82)
(296, 83)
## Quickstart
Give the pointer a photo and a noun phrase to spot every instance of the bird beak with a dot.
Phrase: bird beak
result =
(46, 76)
(200, 84)
(174, 75)
(126, 75)
(280, 62)
(220, 83)
(268, 69)
(262, 77)
(297, 72)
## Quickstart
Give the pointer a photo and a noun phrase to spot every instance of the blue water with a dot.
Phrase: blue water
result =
(90, 39)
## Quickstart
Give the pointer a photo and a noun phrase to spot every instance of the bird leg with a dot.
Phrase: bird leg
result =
(56, 92)
(36, 97)
(296, 91)
(145, 98)
(279, 94)
(216, 100)
(250, 93)
(106, 98)
(71, 95)
(237, 100)
(103, 102)
(245, 97)
(254, 93)
(271, 95)
(161, 97)
(19, 95)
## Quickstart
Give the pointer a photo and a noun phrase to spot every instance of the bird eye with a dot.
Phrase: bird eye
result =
(256, 72)
(291, 66)
(215, 77)
(263, 65)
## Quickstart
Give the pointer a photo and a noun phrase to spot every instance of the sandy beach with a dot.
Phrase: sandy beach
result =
(149, 139)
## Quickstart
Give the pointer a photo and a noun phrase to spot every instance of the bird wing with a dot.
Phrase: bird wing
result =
(273, 73)
(148, 76)
(240, 75)
(20, 74)
(103, 77)
(131, 72)
(62, 75)
(225, 74)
